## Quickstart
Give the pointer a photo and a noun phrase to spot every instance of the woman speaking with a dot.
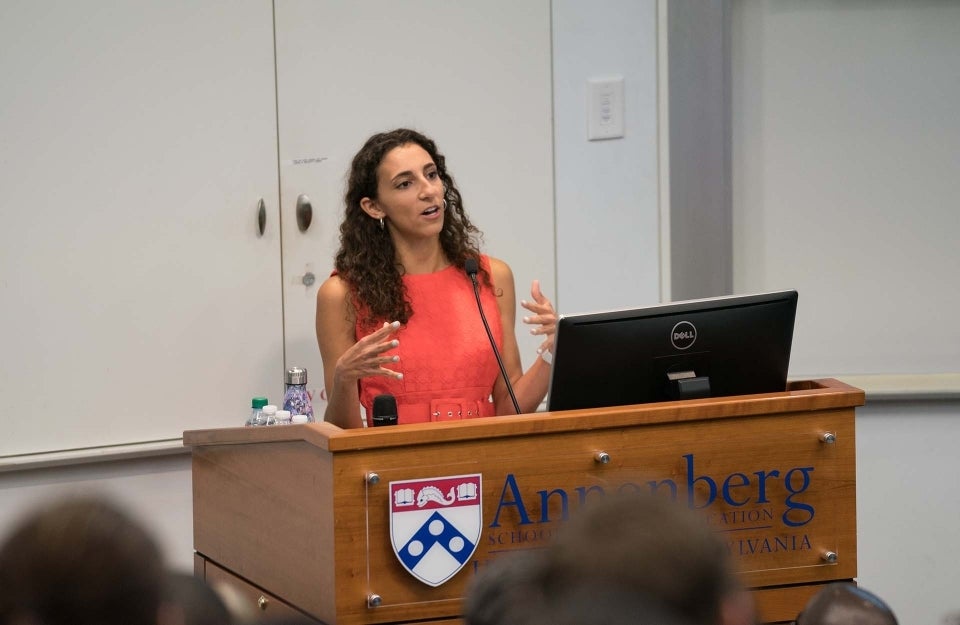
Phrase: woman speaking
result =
(399, 313)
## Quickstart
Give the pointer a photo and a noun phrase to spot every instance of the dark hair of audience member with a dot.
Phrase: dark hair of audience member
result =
(511, 591)
(507, 590)
(643, 546)
(649, 545)
(80, 561)
(842, 603)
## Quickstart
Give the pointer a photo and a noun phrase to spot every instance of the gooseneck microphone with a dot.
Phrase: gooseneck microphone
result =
(384, 410)
(471, 267)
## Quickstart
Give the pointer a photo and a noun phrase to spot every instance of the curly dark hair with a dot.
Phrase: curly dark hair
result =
(367, 258)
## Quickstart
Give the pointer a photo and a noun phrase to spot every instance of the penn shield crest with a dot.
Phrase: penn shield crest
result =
(435, 524)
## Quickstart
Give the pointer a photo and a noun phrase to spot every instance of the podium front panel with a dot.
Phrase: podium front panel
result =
(782, 497)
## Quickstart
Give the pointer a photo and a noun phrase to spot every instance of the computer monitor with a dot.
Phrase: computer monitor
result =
(715, 347)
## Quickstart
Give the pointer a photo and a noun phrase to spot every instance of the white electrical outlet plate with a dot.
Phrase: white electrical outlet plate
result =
(604, 108)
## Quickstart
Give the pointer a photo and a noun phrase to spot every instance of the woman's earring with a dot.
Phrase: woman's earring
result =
(444, 203)
(382, 227)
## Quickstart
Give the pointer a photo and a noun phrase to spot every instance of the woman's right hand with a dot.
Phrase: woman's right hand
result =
(365, 357)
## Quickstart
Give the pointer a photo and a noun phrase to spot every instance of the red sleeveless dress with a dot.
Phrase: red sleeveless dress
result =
(447, 363)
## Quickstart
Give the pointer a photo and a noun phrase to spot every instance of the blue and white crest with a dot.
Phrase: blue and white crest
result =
(435, 524)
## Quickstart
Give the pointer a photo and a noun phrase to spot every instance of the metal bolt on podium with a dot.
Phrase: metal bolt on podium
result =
(601, 457)
(373, 478)
(829, 438)
(830, 557)
(374, 600)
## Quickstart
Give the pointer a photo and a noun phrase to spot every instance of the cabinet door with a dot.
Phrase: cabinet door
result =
(476, 77)
(139, 299)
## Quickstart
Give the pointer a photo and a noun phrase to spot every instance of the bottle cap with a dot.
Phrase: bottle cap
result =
(271, 409)
(258, 402)
(283, 416)
(300, 418)
(296, 375)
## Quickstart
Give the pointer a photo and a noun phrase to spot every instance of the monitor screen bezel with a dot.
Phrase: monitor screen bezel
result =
(703, 305)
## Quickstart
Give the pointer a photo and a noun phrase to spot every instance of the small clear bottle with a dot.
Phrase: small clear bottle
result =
(296, 399)
(283, 417)
(270, 415)
(256, 412)
(299, 418)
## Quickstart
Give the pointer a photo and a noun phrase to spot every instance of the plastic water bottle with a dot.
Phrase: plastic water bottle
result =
(270, 415)
(256, 413)
(296, 399)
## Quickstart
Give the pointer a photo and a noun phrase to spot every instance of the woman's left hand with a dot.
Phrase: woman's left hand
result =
(543, 316)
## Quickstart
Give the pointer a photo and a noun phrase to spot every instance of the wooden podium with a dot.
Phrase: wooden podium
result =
(300, 517)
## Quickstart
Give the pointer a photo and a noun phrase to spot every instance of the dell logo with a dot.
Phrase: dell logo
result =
(683, 335)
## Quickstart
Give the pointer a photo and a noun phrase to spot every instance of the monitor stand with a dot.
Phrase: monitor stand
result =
(687, 385)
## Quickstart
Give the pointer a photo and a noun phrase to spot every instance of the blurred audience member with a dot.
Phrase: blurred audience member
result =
(654, 546)
(642, 549)
(845, 604)
(80, 561)
(513, 591)
(509, 590)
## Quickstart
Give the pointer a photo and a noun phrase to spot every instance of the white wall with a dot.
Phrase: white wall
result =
(846, 146)
(606, 191)
(908, 505)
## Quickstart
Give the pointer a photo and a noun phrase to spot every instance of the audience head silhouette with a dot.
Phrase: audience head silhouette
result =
(845, 604)
(651, 560)
(513, 590)
(80, 561)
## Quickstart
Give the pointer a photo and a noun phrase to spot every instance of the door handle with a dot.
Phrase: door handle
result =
(261, 217)
(304, 212)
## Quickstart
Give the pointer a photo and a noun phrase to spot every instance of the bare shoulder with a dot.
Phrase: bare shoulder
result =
(502, 278)
(334, 303)
(334, 290)
(500, 272)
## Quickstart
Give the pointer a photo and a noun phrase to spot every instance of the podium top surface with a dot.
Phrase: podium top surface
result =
(806, 395)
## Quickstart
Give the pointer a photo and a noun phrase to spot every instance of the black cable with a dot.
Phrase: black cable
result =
(493, 343)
